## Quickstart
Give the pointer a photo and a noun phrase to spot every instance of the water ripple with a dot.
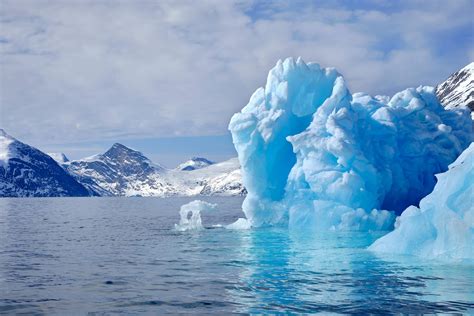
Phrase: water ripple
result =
(122, 256)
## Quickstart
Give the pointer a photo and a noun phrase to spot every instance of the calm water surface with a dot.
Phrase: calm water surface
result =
(122, 255)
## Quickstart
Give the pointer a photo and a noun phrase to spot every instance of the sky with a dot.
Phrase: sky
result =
(164, 77)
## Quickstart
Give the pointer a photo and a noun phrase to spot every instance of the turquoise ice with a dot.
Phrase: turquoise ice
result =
(443, 226)
(315, 156)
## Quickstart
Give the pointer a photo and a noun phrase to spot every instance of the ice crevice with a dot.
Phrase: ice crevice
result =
(443, 226)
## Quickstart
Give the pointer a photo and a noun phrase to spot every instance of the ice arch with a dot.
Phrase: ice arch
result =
(283, 108)
(313, 155)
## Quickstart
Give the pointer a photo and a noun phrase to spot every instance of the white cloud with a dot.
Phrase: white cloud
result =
(88, 70)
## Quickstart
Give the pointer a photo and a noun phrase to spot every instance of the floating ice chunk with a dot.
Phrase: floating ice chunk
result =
(190, 215)
(240, 224)
(314, 155)
(443, 226)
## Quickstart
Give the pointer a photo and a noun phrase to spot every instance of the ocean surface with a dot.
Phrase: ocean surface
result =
(70, 256)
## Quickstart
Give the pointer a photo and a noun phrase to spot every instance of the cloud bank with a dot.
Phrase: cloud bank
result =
(74, 71)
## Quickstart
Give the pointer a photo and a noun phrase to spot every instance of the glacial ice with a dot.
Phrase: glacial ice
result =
(239, 224)
(313, 155)
(190, 215)
(443, 226)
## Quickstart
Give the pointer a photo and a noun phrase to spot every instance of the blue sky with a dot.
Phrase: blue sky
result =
(165, 77)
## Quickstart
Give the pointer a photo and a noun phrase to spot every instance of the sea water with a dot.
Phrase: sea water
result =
(123, 255)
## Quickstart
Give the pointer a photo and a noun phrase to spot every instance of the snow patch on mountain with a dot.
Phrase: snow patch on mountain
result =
(222, 178)
(5, 151)
(60, 158)
(194, 163)
(458, 89)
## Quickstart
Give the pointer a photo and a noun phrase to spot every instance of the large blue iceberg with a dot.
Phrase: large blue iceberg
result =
(314, 155)
(443, 226)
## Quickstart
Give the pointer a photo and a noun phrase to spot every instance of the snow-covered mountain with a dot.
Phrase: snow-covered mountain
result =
(26, 172)
(458, 89)
(194, 163)
(121, 171)
(222, 178)
(60, 158)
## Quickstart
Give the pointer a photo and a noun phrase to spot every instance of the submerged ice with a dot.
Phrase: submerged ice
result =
(443, 225)
(314, 155)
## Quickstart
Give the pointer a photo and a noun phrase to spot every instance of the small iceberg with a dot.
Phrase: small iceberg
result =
(190, 215)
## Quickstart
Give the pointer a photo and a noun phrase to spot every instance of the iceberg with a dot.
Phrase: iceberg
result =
(314, 155)
(443, 226)
(190, 215)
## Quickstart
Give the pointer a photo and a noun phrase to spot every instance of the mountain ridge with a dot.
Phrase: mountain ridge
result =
(122, 171)
(194, 163)
(458, 89)
(26, 171)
